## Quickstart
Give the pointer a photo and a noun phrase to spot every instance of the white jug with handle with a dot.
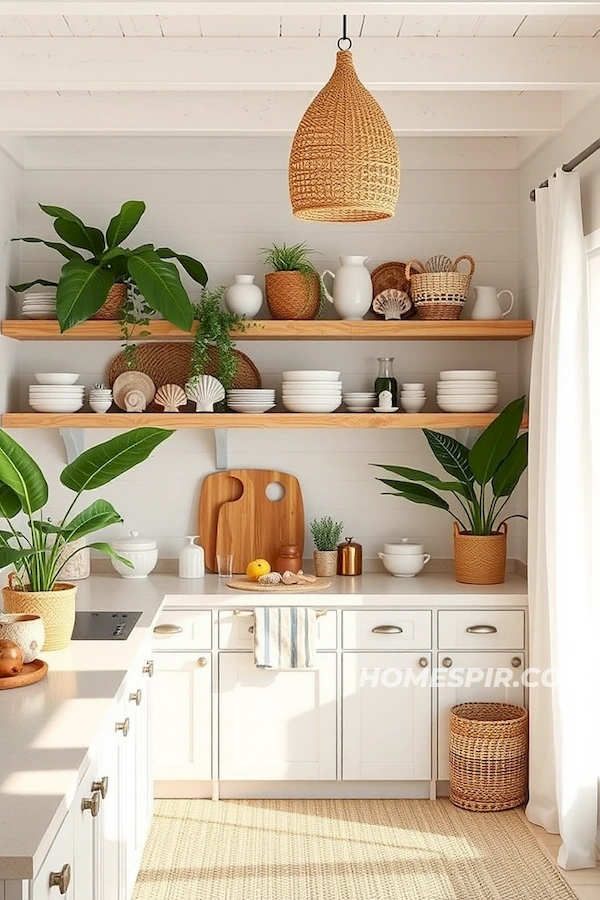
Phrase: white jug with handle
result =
(352, 287)
(487, 303)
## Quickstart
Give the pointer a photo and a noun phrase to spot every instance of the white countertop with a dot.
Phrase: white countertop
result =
(47, 729)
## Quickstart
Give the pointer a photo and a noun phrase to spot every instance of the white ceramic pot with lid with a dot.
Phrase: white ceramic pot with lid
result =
(405, 548)
(141, 552)
(404, 560)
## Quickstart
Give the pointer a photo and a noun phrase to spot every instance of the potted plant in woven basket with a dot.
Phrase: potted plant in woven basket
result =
(293, 289)
(483, 479)
(326, 535)
(95, 286)
(37, 548)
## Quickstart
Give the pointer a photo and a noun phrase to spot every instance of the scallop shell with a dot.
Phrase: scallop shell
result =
(392, 303)
(439, 263)
(171, 396)
(271, 578)
(205, 391)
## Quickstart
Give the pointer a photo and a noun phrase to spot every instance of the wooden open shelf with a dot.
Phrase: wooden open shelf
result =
(287, 330)
(238, 420)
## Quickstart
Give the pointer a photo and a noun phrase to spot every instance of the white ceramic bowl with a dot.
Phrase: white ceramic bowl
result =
(56, 377)
(414, 394)
(369, 402)
(51, 314)
(412, 406)
(360, 394)
(310, 406)
(404, 566)
(48, 391)
(468, 375)
(56, 406)
(457, 386)
(312, 375)
(467, 407)
(143, 561)
(100, 406)
(413, 386)
(25, 630)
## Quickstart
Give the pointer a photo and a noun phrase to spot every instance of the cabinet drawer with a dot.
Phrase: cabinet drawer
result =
(235, 634)
(481, 629)
(387, 629)
(183, 629)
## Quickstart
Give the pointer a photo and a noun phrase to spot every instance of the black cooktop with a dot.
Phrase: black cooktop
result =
(104, 626)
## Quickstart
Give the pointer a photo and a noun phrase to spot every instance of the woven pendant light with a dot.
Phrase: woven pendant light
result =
(344, 164)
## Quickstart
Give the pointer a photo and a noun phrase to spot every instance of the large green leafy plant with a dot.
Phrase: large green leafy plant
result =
(483, 478)
(86, 280)
(23, 489)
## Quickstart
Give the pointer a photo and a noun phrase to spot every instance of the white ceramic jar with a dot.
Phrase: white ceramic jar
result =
(191, 559)
(143, 554)
(243, 296)
(404, 560)
(25, 630)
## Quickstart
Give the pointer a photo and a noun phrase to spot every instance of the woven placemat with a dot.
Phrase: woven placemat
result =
(241, 584)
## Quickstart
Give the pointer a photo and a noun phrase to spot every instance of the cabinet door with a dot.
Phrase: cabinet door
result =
(277, 725)
(85, 812)
(55, 878)
(110, 876)
(181, 716)
(386, 724)
(490, 690)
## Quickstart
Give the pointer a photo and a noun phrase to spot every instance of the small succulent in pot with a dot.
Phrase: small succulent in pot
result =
(326, 535)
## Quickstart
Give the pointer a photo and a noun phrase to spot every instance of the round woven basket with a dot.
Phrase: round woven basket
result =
(111, 307)
(439, 295)
(56, 608)
(292, 295)
(488, 756)
(480, 559)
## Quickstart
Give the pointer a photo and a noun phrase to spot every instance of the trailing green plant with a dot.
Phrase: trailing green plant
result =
(86, 280)
(326, 533)
(293, 258)
(484, 477)
(215, 324)
(23, 489)
(134, 316)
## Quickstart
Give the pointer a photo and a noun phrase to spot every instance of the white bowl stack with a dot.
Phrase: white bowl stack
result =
(256, 400)
(311, 391)
(467, 390)
(360, 401)
(101, 398)
(39, 305)
(56, 392)
(412, 397)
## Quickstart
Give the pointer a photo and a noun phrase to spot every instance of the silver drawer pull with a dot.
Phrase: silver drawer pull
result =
(482, 629)
(516, 662)
(387, 629)
(423, 662)
(447, 662)
(168, 629)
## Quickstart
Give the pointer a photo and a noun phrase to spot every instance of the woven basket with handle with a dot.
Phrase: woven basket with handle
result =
(488, 756)
(480, 559)
(439, 295)
(111, 307)
(56, 608)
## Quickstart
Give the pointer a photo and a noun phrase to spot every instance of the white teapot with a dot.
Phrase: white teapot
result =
(352, 287)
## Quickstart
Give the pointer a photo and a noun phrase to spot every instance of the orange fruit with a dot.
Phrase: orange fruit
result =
(257, 568)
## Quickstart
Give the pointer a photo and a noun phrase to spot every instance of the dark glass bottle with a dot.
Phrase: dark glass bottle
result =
(385, 380)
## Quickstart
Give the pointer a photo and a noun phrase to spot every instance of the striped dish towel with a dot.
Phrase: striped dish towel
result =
(285, 637)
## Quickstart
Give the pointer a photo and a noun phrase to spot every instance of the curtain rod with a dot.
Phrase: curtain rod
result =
(572, 164)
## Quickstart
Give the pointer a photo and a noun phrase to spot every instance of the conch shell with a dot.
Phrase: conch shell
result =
(171, 397)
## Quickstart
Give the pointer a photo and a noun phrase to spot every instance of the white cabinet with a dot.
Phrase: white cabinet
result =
(386, 716)
(277, 724)
(181, 716)
(55, 877)
(85, 813)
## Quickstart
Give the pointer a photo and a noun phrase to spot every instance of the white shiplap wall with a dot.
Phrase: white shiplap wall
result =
(10, 182)
(223, 216)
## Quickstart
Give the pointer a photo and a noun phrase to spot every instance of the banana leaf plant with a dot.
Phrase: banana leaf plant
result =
(36, 551)
(86, 280)
(482, 478)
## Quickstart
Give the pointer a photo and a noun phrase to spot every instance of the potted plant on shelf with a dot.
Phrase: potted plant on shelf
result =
(293, 289)
(36, 550)
(95, 286)
(484, 479)
(214, 328)
(326, 535)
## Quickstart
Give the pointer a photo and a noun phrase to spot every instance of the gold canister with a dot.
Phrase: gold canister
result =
(349, 558)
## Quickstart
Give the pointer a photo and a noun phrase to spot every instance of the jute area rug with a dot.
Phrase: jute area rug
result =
(341, 850)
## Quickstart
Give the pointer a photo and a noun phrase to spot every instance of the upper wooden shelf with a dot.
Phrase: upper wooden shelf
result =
(288, 330)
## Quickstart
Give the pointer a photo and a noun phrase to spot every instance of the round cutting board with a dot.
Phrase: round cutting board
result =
(29, 674)
(242, 584)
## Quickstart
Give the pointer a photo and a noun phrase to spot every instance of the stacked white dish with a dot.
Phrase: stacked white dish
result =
(311, 391)
(360, 401)
(412, 397)
(257, 400)
(39, 305)
(467, 390)
(101, 398)
(56, 392)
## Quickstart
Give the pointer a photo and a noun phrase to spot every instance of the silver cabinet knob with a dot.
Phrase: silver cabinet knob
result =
(447, 662)
(482, 629)
(202, 661)
(92, 803)
(423, 662)
(61, 879)
(123, 726)
(168, 629)
(148, 669)
(516, 662)
(102, 786)
(387, 629)
(136, 697)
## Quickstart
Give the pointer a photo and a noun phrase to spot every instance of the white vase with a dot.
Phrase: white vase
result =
(191, 560)
(243, 296)
(352, 287)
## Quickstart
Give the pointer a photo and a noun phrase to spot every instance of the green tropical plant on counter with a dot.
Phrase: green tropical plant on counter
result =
(24, 489)
(215, 325)
(484, 477)
(86, 280)
(326, 533)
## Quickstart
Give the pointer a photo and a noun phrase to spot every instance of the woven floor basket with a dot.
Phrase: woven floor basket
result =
(439, 295)
(56, 608)
(344, 163)
(480, 559)
(292, 295)
(488, 756)
(114, 301)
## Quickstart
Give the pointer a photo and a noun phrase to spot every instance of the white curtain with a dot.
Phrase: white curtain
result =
(563, 748)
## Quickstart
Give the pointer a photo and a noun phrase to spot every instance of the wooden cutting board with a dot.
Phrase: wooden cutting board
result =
(236, 516)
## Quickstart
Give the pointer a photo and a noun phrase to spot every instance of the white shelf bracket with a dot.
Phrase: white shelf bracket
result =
(221, 448)
(73, 441)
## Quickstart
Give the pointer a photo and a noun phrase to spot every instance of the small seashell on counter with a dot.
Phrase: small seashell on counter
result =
(271, 578)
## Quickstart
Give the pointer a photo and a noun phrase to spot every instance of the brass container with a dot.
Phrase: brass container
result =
(349, 558)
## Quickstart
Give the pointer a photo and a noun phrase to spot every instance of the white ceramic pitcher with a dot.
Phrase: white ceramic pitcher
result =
(487, 303)
(352, 287)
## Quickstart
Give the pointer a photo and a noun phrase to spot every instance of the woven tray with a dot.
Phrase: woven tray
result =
(242, 584)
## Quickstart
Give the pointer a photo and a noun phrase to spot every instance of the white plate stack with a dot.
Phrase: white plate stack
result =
(467, 390)
(39, 305)
(56, 392)
(311, 391)
(256, 400)
(360, 401)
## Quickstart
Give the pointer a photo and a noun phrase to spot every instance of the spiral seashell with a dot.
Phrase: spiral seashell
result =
(171, 396)
(135, 402)
(392, 303)
(271, 578)
(439, 263)
(205, 391)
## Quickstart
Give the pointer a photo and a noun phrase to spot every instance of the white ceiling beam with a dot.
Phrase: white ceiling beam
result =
(417, 113)
(299, 7)
(238, 64)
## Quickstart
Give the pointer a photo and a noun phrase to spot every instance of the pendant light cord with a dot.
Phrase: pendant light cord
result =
(344, 38)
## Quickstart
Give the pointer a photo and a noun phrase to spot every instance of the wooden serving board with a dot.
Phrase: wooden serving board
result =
(242, 584)
(29, 674)
(236, 516)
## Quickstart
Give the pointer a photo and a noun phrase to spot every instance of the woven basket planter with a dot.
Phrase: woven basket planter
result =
(439, 295)
(488, 756)
(292, 295)
(56, 608)
(325, 563)
(480, 559)
(111, 307)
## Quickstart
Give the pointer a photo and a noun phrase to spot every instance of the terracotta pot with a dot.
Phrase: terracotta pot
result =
(325, 563)
(56, 608)
(292, 295)
(480, 559)
(112, 305)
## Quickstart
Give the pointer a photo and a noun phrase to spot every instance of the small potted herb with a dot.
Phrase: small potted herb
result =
(293, 289)
(326, 535)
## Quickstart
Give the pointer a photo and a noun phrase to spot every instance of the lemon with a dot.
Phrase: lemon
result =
(257, 568)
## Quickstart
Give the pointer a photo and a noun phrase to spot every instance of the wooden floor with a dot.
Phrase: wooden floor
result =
(584, 882)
